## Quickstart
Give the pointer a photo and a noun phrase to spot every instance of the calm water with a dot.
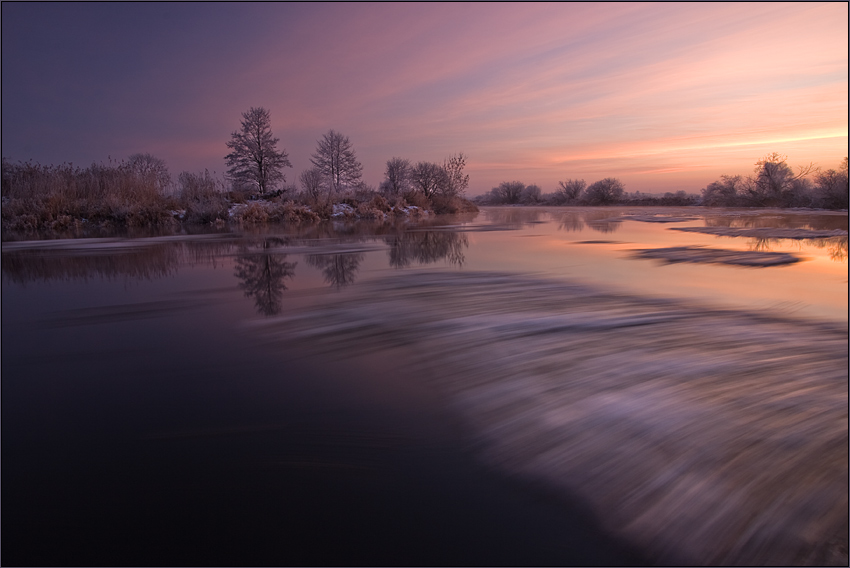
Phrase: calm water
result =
(144, 423)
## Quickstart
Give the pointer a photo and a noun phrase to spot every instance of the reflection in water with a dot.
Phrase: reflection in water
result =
(338, 270)
(836, 247)
(513, 217)
(81, 260)
(426, 247)
(570, 222)
(755, 220)
(602, 221)
(262, 276)
(760, 245)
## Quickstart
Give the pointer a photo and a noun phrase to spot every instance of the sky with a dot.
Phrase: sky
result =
(665, 97)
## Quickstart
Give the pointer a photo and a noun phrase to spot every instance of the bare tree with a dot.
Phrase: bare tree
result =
(570, 190)
(723, 192)
(150, 168)
(508, 191)
(604, 191)
(456, 180)
(832, 187)
(429, 178)
(254, 159)
(335, 158)
(774, 182)
(312, 182)
(397, 178)
(530, 194)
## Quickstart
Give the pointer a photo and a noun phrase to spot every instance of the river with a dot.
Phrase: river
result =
(319, 394)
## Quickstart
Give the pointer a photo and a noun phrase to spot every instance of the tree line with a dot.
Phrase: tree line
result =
(140, 192)
(772, 184)
(256, 165)
(607, 191)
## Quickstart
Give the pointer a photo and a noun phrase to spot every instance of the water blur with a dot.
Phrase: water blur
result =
(521, 386)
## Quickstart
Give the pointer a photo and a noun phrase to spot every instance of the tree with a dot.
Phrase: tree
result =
(570, 190)
(456, 180)
(254, 159)
(429, 178)
(774, 182)
(312, 182)
(530, 194)
(832, 187)
(604, 191)
(335, 158)
(723, 193)
(508, 191)
(397, 178)
(151, 169)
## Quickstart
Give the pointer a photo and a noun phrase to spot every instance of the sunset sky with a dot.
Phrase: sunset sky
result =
(663, 96)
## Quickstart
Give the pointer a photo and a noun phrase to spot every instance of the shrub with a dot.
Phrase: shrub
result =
(831, 188)
(604, 192)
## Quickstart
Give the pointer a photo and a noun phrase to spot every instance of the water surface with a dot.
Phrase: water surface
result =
(146, 422)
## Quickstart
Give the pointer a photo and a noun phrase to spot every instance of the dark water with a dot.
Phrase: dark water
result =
(143, 425)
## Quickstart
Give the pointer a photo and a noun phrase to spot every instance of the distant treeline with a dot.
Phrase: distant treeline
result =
(773, 184)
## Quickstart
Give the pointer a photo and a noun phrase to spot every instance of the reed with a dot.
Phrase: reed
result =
(37, 197)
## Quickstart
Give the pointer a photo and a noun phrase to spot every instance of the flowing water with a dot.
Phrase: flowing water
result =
(518, 386)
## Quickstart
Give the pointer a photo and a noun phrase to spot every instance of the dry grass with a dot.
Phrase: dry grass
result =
(65, 198)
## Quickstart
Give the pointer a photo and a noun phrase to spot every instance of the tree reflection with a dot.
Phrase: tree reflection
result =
(602, 221)
(513, 217)
(338, 270)
(759, 219)
(836, 247)
(426, 247)
(81, 260)
(263, 275)
(570, 222)
(760, 244)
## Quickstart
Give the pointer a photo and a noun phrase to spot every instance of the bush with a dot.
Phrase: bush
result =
(831, 188)
(604, 192)
(203, 198)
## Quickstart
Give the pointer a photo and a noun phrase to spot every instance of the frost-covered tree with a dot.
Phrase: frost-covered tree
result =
(530, 194)
(723, 193)
(335, 158)
(397, 178)
(151, 169)
(255, 159)
(570, 191)
(832, 187)
(456, 180)
(775, 183)
(508, 192)
(429, 178)
(604, 191)
(312, 183)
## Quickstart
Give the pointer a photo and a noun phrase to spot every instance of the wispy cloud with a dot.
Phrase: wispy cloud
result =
(664, 95)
